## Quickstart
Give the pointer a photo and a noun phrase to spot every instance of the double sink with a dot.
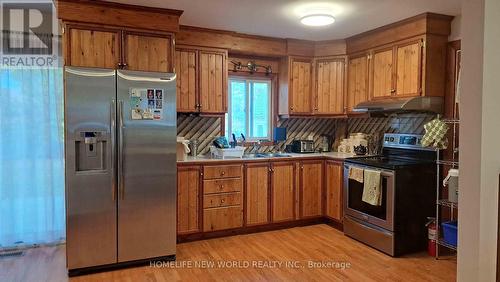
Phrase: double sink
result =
(267, 155)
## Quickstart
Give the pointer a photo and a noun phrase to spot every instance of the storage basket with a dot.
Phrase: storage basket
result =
(450, 232)
(236, 152)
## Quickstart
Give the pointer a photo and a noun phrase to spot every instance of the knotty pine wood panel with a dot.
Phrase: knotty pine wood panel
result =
(300, 86)
(257, 193)
(333, 190)
(330, 76)
(188, 189)
(109, 13)
(409, 69)
(357, 81)
(93, 48)
(283, 191)
(213, 81)
(187, 81)
(222, 218)
(148, 53)
(382, 73)
(311, 185)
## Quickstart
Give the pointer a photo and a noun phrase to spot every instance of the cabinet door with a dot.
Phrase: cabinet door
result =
(257, 193)
(382, 73)
(357, 81)
(185, 68)
(99, 48)
(409, 69)
(330, 75)
(188, 205)
(311, 185)
(283, 191)
(148, 52)
(300, 86)
(213, 82)
(333, 186)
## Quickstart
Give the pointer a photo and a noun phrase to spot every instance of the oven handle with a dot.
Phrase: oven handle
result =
(384, 172)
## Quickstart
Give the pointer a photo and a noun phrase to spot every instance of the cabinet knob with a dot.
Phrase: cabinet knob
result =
(221, 187)
(393, 90)
(222, 172)
(222, 201)
(291, 108)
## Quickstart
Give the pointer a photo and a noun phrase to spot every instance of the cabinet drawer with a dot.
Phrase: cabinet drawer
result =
(222, 171)
(222, 218)
(221, 200)
(222, 185)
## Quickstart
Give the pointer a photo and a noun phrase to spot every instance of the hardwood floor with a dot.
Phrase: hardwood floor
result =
(318, 243)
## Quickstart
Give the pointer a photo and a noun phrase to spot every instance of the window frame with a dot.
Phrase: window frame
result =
(248, 81)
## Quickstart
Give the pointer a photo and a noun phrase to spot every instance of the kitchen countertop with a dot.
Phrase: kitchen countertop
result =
(293, 156)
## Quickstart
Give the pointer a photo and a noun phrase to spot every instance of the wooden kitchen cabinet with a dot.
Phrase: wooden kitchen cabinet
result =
(92, 47)
(382, 70)
(311, 188)
(357, 81)
(201, 80)
(333, 190)
(408, 68)
(296, 86)
(147, 52)
(213, 81)
(187, 79)
(330, 86)
(283, 191)
(257, 193)
(98, 46)
(188, 194)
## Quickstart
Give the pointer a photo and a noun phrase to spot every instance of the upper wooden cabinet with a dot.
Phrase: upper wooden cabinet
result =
(147, 52)
(311, 185)
(103, 47)
(357, 80)
(397, 70)
(187, 79)
(295, 86)
(91, 47)
(257, 181)
(330, 86)
(201, 80)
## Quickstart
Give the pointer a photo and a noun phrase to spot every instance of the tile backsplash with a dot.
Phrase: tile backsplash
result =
(206, 128)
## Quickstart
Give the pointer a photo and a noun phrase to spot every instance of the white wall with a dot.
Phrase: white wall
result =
(479, 140)
(456, 29)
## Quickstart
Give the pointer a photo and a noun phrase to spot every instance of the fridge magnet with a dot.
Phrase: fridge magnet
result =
(135, 92)
(159, 94)
(151, 94)
(157, 114)
(151, 104)
(159, 104)
(136, 113)
(148, 114)
(135, 102)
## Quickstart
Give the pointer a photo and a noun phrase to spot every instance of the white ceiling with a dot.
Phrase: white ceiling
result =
(280, 18)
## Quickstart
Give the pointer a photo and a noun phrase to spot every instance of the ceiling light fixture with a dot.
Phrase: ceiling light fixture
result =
(317, 20)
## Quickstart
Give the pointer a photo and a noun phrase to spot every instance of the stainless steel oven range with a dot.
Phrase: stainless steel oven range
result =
(407, 181)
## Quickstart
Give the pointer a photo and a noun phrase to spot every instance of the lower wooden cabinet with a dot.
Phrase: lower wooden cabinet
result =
(311, 185)
(188, 194)
(333, 190)
(257, 193)
(283, 191)
(222, 218)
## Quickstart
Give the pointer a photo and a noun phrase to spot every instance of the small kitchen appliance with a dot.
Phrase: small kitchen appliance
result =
(303, 146)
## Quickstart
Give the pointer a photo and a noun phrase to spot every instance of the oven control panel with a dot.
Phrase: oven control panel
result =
(399, 140)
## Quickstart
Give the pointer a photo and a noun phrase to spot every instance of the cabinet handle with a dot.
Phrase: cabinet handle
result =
(291, 108)
(221, 187)
(222, 201)
(222, 172)
(393, 91)
(120, 65)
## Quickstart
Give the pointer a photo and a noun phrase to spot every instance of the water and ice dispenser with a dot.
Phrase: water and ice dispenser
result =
(90, 150)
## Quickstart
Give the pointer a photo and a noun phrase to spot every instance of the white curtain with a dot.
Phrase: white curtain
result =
(32, 207)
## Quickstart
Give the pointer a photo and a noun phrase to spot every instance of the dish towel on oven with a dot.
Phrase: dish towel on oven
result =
(356, 174)
(372, 192)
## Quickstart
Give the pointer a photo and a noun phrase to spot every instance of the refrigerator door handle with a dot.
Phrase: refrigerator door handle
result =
(121, 185)
(113, 148)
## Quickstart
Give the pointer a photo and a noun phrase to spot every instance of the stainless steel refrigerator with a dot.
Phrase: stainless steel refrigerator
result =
(120, 149)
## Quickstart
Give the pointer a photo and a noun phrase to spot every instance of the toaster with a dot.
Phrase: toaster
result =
(303, 146)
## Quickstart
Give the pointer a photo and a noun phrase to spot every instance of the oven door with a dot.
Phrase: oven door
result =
(383, 215)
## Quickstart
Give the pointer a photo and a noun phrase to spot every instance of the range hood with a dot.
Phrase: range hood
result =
(413, 104)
